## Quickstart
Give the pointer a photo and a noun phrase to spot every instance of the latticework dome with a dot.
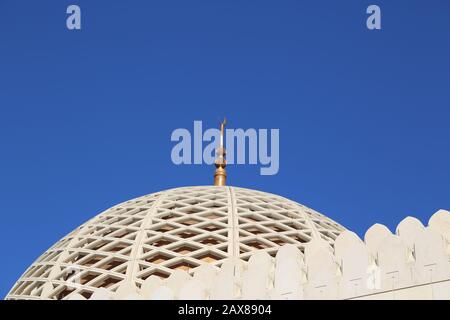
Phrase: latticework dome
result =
(177, 229)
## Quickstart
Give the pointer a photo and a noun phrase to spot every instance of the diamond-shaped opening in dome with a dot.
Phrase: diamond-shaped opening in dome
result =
(183, 265)
(118, 221)
(31, 271)
(86, 277)
(184, 249)
(45, 256)
(93, 260)
(164, 228)
(276, 205)
(276, 227)
(146, 203)
(212, 215)
(118, 247)
(302, 238)
(108, 282)
(105, 219)
(299, 224)
(295, 225)
(30, 288)
(96, 245)
(218, 204)
(123, 233)
(107, 231)
(77, 257)
(222, 247)
(243, 249)
(251, 218)
(191, 210)
(314, 214)
(86, 293)
(273, 215)
(189, 221)
(167, 216)
(185, 234)
(210, 241)
(64, 292)
(85, 242)
(243, 234)
(210, 257)
(39, 271)
(126, 251)
(262, 205)
(137, 222)
(277, 240)
(112, 263)
(193, 201)
(158, 258)
(331, 234)
(211, 227)
(320, 224)
(293, 214)
(141, 212)
(326, 237)
(121, 269)
(156, 272)
(254, 230)
(210, 200)
(257, 244)
(162, 242)
(223, 232)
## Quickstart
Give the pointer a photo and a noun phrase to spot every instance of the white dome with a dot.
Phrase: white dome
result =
(161, 233)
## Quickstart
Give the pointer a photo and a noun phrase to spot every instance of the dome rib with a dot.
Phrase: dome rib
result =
(137, 249)
(233, 241)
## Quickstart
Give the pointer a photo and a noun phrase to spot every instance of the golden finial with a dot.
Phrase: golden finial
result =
(220, 176)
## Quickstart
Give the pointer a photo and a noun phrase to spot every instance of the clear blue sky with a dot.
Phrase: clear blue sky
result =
(86, 116)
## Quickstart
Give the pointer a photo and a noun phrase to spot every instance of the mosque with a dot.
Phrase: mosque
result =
(224, 242)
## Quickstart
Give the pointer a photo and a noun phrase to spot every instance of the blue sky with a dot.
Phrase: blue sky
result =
(86, 116)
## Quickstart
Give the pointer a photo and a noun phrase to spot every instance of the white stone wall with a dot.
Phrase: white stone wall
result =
(413, 263)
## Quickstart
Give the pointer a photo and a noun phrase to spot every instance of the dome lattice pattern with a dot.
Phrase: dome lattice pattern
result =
(177, 229)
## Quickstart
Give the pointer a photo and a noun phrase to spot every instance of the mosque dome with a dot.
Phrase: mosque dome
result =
(169, 233)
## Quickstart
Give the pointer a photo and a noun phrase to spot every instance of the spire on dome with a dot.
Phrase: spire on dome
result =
(220, 175)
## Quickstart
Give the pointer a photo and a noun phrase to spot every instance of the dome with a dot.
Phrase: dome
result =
(157, 235)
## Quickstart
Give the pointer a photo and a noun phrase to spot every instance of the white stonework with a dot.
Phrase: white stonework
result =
(232, 243)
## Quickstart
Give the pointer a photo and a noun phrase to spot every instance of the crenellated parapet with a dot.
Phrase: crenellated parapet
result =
(413, 263)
